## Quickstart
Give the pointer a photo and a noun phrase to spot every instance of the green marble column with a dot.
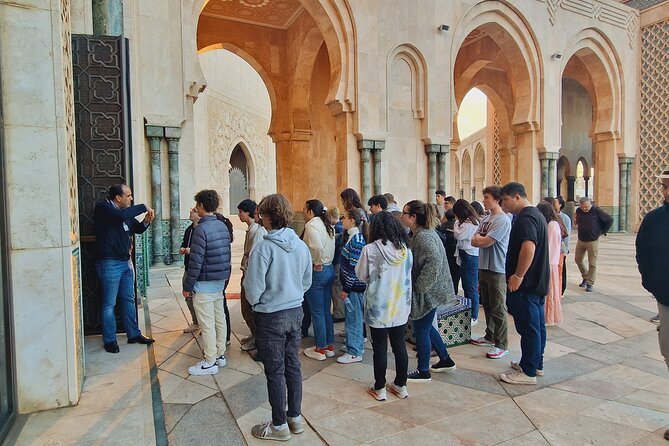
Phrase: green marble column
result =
(376, 151)
(155, 135)
(552, 176)
(548, 173)
(173, 135)
(624, 185)
(431, 151)
(365, 146)
(544, 174)
(107, 17)
(441, 170)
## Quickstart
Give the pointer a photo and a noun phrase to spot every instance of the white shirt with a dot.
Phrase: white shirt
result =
(321, 244)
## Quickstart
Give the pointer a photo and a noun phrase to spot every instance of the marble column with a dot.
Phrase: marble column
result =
(378, 148)
(108, 17)
(365, 146)
(441, 170)
(552, 176)
(587, 191)
(571, 181)
(155, 135)
(625, 185)
(544, 174)
(173, 135)
(548, 173)
(431, 150)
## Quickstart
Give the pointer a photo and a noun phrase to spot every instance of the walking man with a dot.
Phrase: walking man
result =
(115, 223)
(652, 246)
(592, 222)
(492, 239)
(527, 273)
(254, 235)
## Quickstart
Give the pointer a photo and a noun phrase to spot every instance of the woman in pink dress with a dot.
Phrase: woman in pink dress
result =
(556, 231)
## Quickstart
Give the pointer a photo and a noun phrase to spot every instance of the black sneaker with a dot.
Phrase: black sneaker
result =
(444, 365)
(584, 283)
(419, 377)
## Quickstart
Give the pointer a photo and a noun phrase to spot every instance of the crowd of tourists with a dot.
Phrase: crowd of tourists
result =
(377, 268)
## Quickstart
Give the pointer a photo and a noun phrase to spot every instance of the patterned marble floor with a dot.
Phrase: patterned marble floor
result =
(605, 382)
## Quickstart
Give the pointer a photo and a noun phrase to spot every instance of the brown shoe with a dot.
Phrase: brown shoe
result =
(666, 434)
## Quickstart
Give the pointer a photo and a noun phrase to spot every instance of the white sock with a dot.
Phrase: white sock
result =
(280, 428)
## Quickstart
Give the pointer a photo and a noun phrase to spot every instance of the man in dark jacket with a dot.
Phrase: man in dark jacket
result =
(207, 273)
(652, 245)
(592, 222)
(115, 223)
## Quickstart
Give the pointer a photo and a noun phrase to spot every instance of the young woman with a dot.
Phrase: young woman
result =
(467, 221)
(556, 231)
(351, 199)
(432, 286)
(357, 229)
(319, 237)
(385, 266)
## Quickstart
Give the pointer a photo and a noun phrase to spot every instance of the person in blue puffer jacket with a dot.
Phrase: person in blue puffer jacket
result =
(355, 224)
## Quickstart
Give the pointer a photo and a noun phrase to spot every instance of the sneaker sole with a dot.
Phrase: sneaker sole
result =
(349, 362)
(443, 369)
(419, 381)
(246, 348)
(317, 358)
(483, 344)
(504, 378)
(374, 395)
(497, 356)
(204, 372)
(272, 438)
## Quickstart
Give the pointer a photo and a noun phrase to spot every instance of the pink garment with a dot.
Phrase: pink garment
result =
(553, 305)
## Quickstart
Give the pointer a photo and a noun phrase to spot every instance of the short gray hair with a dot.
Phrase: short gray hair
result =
(584, 200)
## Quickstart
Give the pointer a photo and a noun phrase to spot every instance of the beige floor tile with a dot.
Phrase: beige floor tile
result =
(549, 404)
(650, 440)
(168, 382)
(659, 386)
(625, 414)
(488, 425)
(119, 380)
(173, 340)
(422, 436)
(192, 348)
(162, 354)
(241, 361)
(261, 415)
(205, 380)
(227, 377)
(656, 355)
(360, 372)
(322, 383)
(337, 439)
(357, 425)
(189, 392)
(171, 323)
(533, 438)
(579, 430)
(354, 395)
(316, 406)
(648, 399)
(609, 383)
(178, 364)
(555, 350)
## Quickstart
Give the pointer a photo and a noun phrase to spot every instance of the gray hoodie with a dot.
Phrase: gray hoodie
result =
(278, 272)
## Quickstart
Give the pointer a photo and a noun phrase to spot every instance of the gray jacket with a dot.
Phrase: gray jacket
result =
(209, 253)
(430, 275)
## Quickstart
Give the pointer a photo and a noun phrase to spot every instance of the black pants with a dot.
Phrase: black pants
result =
(227, 318)
(278, 337)
(380, 345)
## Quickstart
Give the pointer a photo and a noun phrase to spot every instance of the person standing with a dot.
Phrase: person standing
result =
(246, 210)
(338, 310)
(527, 273)
(465, 227)
(377, 203)
(209, 267)
(556, 232)
(278, 274)
(652, 246)
(592, 222)
(492, 239)
(184, 250)
(559, 206)
(115, 223)
(439, 196)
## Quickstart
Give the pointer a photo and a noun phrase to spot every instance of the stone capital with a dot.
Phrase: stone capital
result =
(154, 131)
(436, 148)
(549, 155)
(173, 132)
(625, 159)
(371, 144)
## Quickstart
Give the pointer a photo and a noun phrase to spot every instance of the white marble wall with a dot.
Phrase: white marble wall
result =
(36, 81)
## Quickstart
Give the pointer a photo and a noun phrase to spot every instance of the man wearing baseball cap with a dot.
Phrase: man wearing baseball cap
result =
(652, 245)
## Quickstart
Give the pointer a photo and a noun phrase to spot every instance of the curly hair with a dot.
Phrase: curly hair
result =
(277, 209)
(387, 228)
(208, 198)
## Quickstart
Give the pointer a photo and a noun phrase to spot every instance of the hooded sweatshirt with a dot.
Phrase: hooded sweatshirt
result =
(278, 272)
(387, 272)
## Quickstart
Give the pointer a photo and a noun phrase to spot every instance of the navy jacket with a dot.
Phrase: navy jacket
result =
(113, 229)
(652, 246)
(209, 253)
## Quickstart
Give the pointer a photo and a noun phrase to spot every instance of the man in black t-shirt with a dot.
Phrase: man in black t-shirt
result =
(527, 273)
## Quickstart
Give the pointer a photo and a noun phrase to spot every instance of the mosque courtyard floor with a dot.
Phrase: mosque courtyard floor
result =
(605, 382)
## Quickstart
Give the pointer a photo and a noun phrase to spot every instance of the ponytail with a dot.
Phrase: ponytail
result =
(426, 214)
(320, 211)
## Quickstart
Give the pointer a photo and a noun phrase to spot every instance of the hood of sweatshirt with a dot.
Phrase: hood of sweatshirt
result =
(391, 255)
(285, 238)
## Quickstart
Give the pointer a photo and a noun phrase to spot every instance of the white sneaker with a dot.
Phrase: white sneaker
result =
(203, 368)
(400, 392)
(192, 328)
(348, 359)
(475, 322)
(496, 353)
(314, 353)
(517, 377)
(516, 366)
(220, 361)
(378, 395)
(295, 424)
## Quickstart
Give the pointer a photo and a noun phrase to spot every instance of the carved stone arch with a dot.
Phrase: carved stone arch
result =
(418, 67)
(517, 42)
(591, 60)
(586, 167)
(563, 168)
(250, 160)
(301, 86)
(479, 161)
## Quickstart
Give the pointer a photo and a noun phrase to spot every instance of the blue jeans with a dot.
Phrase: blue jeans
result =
(528, 315)
(117, 278)
(278, 341)
(319, 298)
(469, 270)
(427, 337)
(354, 333)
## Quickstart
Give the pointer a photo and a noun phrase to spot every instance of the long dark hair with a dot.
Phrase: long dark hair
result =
(550, 215)
(351, 199)
(464, 211)
(320, 211)
(360, 219)
(387, 228)
(426, 214)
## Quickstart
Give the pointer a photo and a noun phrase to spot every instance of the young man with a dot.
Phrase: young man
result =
(527, 273)
(377, 204)
(439, 196)
(254, 234)
(592, 222)
(492, 239)
(208, 271)
(185, 251)
(115, 223)
(278, 275)
(652, 245)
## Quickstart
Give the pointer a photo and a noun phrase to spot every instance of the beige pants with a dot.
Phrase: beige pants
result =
(211, 316)
(592, 249)
(663, 331)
